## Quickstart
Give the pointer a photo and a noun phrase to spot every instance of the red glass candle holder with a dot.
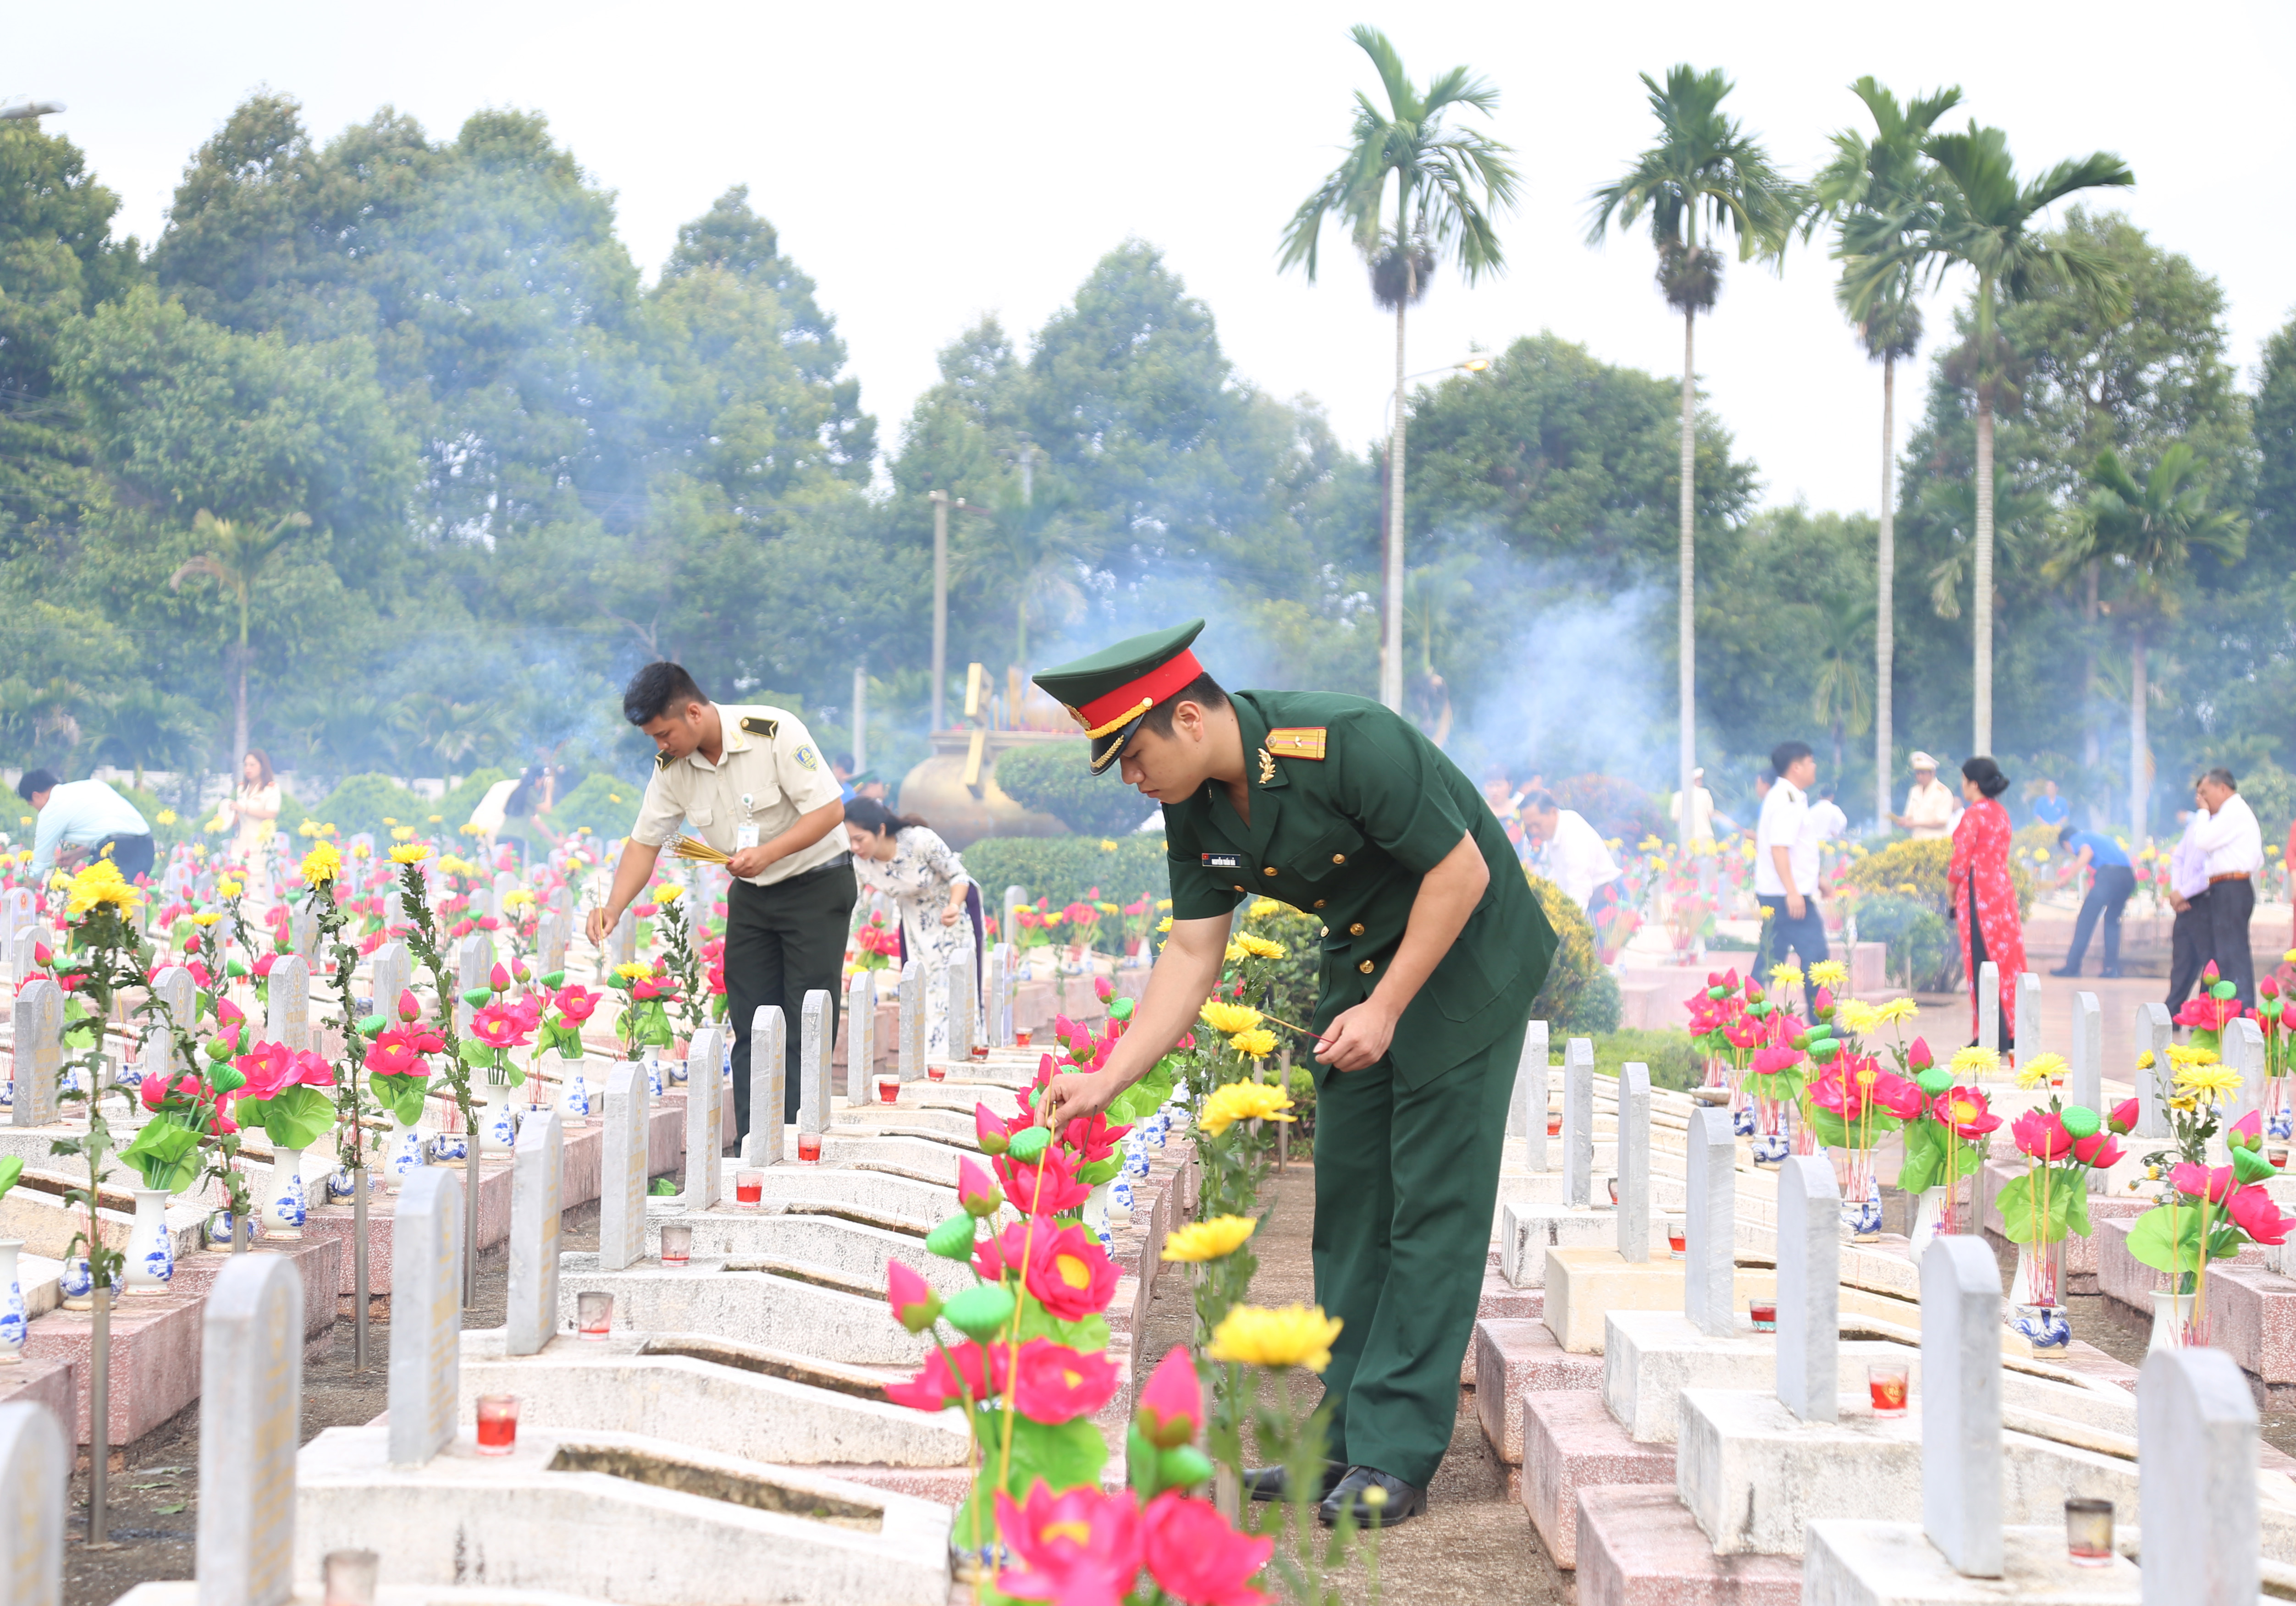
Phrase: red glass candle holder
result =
(1021, 1038)
(676, 1242)
(1765, 1313)
(2088, 1532)
(748, 1189)
(939, 1073)
(1554, 1126)
(889, 1090)
(1676, 1240)
(2278, 1156)
(1887, 1384)
(497, 1424)
(595, 1316)
(808, 1146)
(981, 1051)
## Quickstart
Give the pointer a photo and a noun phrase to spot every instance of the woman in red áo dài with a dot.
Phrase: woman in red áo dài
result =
(1984, 894)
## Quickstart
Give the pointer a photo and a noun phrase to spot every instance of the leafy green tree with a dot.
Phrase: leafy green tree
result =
(1449, 183)
(2147, 534)
(2274, 531)
(1705, 164)
(236, 557)
(1989, 223)
(1880, 193)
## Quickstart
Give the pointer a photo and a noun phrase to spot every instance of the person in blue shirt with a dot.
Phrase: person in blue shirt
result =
(2050, 809)
(81, 820)
(2111, 881)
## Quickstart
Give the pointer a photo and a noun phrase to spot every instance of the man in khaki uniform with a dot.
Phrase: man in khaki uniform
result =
(749, 780)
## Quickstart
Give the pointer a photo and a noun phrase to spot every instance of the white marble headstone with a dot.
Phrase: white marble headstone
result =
(426, 1308)
(1633, 1165)
(39, 1015)
(913, 1021)
(2243, 1051)
(994, 1033)
(622, 1160)
(1014, 898)
(1989, 1007)
(2028, 1029)
(1961, 1404)
(1527, 1110)
(303, 932)
(288, 1019)
(2085, 1054)
(1711, 1223)
(1579, 1121)
(705, 1118)
(35, 1476)
(622, 941)
(860, 1037)
(1810, 1287)
(392, 973)
(551, 933)
(963, 1003)
(474, 963)
(2196, 1442)
(394, 909)
(769, 1087)
(813, 1062)
(250, 1426)
(174, 988)
(2153, 1032)
(537, 1167)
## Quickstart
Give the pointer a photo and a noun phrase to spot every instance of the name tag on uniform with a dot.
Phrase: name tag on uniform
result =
(1223, 860)
(745, 836)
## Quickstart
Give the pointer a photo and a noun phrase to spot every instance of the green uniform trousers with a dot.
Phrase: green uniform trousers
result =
(1405, 1185)
(781, 942)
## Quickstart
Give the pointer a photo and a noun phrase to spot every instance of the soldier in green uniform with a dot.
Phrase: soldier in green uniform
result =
(1433, 951)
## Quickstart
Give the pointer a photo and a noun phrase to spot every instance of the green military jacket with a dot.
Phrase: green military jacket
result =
(1351, 806)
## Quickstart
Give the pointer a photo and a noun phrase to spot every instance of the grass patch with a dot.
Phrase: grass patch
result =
(1674, 1063)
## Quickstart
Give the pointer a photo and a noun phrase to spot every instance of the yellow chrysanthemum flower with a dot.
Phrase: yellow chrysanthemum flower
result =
(1108, 844)
(166, 817)
(1855, 1018)
(1228, 1019)
(321, 864)
(2207, 1083)
(1202, 1241)
(1163, 903)
(1784, 975)
(1251, 1335)
(518, 897)
(1262, 907)
(2181, 1054)
(1242, 1102)
(227, 888)
(401, 833)
(410, 853)
(441, 819)
(634, 971)
(669, 892)
(2145, 1061)
(1974, 1060)
(1830, 972)
(1257, 1043)
(100, 883)
(1232, 955)
(1895, 1011)
(207, 917)
(2040, 1070)
(1260, 948)
(1164, 924)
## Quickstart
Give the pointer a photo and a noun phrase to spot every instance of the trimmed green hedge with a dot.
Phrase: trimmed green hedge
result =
(606, 804)
(368, 803)
(1066, 869)
(1057, 778)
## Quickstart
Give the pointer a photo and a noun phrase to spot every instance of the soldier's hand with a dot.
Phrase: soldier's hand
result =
(747, 862)
(1357, 1036)
(1078, 1097)
(598, 926)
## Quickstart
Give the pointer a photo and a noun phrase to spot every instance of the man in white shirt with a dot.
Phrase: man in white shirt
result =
(1702, 808)
(83, 820)
(1930, 809)
(2233, 852)
(1571, 854)
(2190, 940)
(1826, 818)
(1785, 867)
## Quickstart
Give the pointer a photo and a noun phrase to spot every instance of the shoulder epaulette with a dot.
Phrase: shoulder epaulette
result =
(662, 761)
(757, 724)
(1297, 741)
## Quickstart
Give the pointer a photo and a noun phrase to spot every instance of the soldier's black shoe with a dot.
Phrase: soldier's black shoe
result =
(1269, 1483)
(1400, 1503)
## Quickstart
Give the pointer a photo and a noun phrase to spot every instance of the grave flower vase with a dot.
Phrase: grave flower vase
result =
(2036, 1295)
(284, 1202)
(490, 1113)
(2173, 1324)
(402, 1156)
(150, 1248)
(1095, 1214)
(1929, 1219)
(11, 1304)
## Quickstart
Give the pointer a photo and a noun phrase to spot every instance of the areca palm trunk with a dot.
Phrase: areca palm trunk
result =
(1390, 664)
(1686, 646)
(1981, 612)
(238, 699)
(2139, 743)
(1885, 577)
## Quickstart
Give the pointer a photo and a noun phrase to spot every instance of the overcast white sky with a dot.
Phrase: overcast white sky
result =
(929, 163)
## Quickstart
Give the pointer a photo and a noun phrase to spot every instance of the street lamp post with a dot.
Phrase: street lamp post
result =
(16, 111)
(942, 501)
(1390, 654)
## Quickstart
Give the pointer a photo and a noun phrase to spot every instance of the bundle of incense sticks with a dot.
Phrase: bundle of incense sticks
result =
(692, 847)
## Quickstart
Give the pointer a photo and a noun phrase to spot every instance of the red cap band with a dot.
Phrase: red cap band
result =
(1145, 693)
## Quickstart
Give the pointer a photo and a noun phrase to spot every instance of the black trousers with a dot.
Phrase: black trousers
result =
(781, 942)
(1805, 937)
(2108, 894)
(2231, 905)
(133, 855)
(1976, 957)
(2191, 946)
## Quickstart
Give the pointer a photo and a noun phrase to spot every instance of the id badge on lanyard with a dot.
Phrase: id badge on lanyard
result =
(745, 834)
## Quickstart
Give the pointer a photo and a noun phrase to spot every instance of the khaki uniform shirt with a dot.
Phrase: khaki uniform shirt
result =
(768, 773)
(1929, 811)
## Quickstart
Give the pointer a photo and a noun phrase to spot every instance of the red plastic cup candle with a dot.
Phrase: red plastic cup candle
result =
(1765, 1313)
(1021, 1038)
(1554, 1126)
(497, 1424)
(2278, 1156)
(748, 1189)
(1886, 1383)
(889, 1090)
(2088, 1532)
(1675, 1240)
(939, 1073)
(595, 1316)
(808, 1146)
(676, 1242)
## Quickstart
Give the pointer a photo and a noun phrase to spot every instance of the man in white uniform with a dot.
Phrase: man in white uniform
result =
(1929, 806)
(1785, 868)
(1573, 856)
(2228, 835)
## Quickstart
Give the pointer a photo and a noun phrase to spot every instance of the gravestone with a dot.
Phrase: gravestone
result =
(705, 1118)
(1526, 1111)
(551, 933)
(913, 1021)
(538, 1164)
(251, 1425)
(1633, 1165)
(1989, 1006)
(303, 933)
(426, 1310)
(2196, 1439)
(39, 1053)
(1961, 1404)
(622, 941)
(2085, 1054)
(958, 990)
(1711, 1223)
(860, 1036)
(769, 1087)
(622, 1168)
(392, 973)
(2028, 1017)
(506, 883)
(174, 988)
(287, 1019)
(1579, 1122)
(2153, 1030)
(474, 962)
(18, 910)
(995, 1031)
(1810, 1287)
(813, 1062)
(35, 1476)
(2243, 1051)
(394, 909)
(1014, 898)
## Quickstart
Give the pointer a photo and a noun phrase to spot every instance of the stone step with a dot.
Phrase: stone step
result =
(805, 1314)
(1515, 1355)
(1570, 1442)
(1638, 1545)
(857, 1253)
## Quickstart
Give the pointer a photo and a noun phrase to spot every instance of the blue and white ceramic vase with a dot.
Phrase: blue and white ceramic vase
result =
(1095, 1215)
(284, 1203)
(402, 1156)
(497, 1125)
(654, 1084)
(77, 1284)
(151, 1247)
(11, 1304)
(1928, 1219)
(450, 1146)
(576, 1106)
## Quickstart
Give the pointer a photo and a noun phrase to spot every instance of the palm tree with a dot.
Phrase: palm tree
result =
(1448, 184)
(2145, 535)
(1703, 164)
(237, 555)
(1988, 223)
(1036, 549)
(1840, 700)
(1880, 193)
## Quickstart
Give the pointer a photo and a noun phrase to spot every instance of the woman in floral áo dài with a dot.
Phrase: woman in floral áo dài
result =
(901, 857)
(1984, 894)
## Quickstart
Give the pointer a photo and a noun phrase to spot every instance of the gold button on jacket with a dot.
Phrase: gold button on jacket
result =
(1364, 967)
(1356, 929)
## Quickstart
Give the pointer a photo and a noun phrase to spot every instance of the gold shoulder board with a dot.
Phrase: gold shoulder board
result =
(662, 761)
(757, 724)
(1297, 741)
